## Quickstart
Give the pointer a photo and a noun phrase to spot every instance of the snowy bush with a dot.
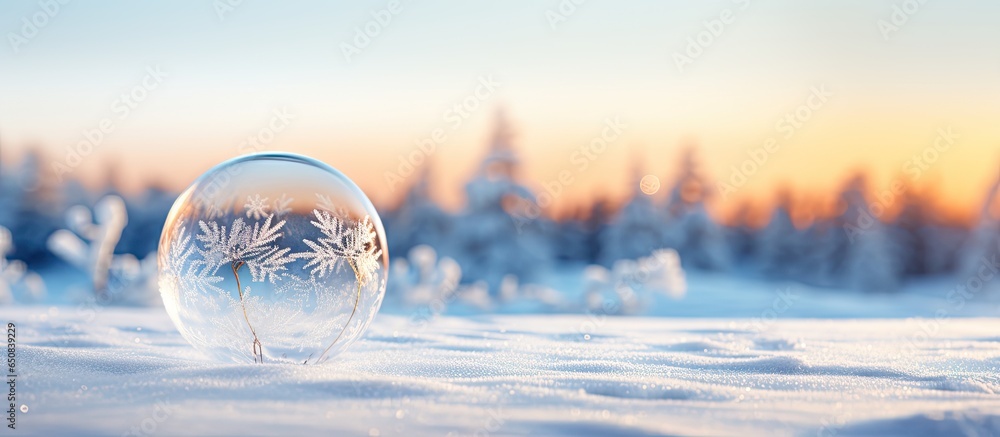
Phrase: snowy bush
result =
(423, 279)
(89, 245)
(629, 285)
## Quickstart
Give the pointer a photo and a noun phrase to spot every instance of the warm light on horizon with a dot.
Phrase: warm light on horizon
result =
(812, 198)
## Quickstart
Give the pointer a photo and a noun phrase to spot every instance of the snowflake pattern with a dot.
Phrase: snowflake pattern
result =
(198, 260)
(342, 242)
(182, 273)
(325, 204)
(281, 205)
(244, 245)
(256, 207)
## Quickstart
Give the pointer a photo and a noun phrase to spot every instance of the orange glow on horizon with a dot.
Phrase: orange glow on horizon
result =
(958, 198)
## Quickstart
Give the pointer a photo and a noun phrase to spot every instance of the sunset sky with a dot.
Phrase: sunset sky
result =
(225, 73)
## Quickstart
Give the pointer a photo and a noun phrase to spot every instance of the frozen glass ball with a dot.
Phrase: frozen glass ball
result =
(272, 257)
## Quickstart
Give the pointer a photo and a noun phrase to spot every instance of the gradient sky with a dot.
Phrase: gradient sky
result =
(608, 59)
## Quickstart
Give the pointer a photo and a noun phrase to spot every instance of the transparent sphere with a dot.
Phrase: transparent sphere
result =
(272, 257)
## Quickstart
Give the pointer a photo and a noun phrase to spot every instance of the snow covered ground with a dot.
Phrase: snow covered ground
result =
(126, 371)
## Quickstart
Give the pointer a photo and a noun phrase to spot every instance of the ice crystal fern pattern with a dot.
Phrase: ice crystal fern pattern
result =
(342, 243)
(196, 268)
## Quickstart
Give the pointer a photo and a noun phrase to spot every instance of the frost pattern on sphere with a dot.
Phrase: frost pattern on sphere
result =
(296, 279)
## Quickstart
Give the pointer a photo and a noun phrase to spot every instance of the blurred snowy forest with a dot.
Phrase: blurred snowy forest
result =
(501, 239)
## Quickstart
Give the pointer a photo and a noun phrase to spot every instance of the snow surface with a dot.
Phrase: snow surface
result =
(126, 371)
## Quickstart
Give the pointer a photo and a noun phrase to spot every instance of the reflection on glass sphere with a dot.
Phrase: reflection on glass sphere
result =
(272, 257)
